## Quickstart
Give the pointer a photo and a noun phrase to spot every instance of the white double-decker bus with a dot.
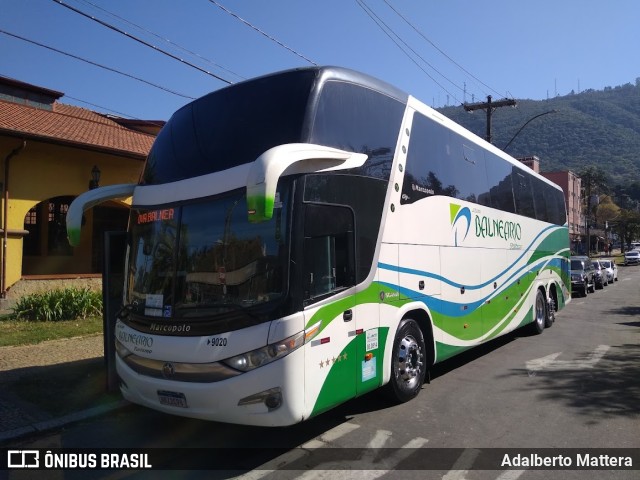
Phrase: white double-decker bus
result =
(302, 238)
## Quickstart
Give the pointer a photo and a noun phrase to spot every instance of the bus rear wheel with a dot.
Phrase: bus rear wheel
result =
(408, 362)
(539, 313)
(551, 312)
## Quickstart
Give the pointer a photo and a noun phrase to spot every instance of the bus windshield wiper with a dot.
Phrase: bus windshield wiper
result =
(125, 311)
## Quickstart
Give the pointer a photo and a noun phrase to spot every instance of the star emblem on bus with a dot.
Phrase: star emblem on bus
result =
(334, 360)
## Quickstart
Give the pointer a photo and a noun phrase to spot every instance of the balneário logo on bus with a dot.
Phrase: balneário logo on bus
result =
(485, 227)
(460, 221)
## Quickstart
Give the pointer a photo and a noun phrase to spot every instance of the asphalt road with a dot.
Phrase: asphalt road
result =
(573, 388)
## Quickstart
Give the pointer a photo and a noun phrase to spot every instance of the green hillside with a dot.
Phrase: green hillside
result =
(599, 128)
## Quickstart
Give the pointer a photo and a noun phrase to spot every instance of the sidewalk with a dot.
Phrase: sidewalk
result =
(51, 384)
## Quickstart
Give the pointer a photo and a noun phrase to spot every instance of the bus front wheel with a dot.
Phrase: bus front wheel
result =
(408, 362)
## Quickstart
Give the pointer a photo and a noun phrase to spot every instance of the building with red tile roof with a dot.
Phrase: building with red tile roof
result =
(49, 154)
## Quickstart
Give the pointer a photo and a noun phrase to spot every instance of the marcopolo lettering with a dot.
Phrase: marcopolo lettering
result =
(168, 328)
(486, 227)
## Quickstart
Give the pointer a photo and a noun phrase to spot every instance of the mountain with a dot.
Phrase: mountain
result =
(592, 127)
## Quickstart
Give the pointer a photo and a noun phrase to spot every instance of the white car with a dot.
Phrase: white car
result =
(611, 268)
(632, 257)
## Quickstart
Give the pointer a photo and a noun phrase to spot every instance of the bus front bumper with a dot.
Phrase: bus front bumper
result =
(272, 395)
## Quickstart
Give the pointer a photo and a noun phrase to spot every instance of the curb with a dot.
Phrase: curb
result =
(54, 423)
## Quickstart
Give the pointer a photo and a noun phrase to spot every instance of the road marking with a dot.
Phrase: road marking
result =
(297, 453)
(462, 465)
(339, 431)
(273, 465)
(379, 439)
(510, 474)
(361, 470)
(550, 362)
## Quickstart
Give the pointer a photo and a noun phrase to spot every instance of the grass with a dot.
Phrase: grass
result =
(21, 332)
(59, 304)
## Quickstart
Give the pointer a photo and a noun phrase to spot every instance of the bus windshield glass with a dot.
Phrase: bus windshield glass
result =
(205, 258)
(230, 127)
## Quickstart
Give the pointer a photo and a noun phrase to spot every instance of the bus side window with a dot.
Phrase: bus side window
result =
(328, 250)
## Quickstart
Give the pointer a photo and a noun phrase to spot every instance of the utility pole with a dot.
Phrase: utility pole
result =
(587, 217)
(490, 107)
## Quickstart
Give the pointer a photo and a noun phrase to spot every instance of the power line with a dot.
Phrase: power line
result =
(438, 48)
(125, 115)
(96, 64)
(147, 44)
(223, 8)
(170, 42)
(378, 21)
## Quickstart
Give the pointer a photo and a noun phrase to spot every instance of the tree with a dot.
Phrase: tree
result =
(606, 211)
(594, 183)
(628, 226)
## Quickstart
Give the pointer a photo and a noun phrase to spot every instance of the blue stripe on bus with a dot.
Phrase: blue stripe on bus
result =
(411, 271)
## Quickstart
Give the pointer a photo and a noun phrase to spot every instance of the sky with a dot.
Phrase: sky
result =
(444, 52)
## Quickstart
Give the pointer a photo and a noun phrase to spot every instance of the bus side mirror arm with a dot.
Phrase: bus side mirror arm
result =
(89, 199)
(290, 159)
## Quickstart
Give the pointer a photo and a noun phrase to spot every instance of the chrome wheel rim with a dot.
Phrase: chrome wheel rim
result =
(540, 311)
(410, 362)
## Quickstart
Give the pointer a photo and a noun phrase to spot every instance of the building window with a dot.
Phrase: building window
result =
(32, 217)
(57, 238)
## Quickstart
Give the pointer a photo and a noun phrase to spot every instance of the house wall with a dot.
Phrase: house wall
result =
(571, 184)
(42, 171)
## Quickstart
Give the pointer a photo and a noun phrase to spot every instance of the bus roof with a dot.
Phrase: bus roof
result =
(211, 133)
(326, 73)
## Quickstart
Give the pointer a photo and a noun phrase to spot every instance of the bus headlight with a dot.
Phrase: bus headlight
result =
(262, 356)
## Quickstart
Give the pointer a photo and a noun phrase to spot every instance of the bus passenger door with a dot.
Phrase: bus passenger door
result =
(329, 277)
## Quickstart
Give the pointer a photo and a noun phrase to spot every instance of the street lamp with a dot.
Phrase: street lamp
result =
(527, 123)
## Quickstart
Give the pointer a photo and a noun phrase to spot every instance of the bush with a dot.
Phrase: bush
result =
(61, 304)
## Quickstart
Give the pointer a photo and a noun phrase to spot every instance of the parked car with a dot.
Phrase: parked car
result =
(632, 257)
(601, 276)
(612, 269)
(582, 275)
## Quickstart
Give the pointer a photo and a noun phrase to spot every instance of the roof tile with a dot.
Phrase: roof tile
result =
(73, 124)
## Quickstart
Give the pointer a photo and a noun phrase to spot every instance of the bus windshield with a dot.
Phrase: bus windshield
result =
(205, 258)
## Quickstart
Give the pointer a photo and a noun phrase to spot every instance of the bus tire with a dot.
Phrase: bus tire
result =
(408, 362)
(551, 312)
(539, 313)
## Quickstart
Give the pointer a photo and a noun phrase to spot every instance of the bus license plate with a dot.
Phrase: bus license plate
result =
(173, 399)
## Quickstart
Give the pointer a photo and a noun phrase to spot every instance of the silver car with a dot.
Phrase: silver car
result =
(601, 278)
(632, 257)
(612, 269)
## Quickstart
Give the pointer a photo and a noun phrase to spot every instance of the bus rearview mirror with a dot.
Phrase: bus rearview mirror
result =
(290, 159)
